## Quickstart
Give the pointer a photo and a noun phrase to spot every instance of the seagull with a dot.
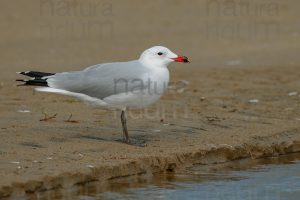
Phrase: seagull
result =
(118, 85)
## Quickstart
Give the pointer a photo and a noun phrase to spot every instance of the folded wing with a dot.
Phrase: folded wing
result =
(102, 80)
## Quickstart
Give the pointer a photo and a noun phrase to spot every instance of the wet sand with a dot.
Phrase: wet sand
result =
(238, 98)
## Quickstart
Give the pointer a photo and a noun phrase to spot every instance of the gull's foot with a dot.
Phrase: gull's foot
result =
(127, 141)
(135, 142)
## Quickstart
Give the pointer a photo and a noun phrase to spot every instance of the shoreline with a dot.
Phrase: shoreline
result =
(217, 154)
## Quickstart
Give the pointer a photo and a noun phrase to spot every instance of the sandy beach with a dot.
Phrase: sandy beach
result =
(238, 98)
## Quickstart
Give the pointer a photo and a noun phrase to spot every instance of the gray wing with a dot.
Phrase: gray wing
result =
(102, 80)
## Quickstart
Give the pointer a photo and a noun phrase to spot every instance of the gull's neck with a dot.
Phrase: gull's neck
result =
(151, 63)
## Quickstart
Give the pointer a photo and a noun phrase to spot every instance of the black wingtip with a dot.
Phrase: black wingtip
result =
(35, 74)
(21, 80)
(37, 78)
(33, 82)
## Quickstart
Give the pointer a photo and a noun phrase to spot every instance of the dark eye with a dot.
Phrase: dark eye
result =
(159, 53)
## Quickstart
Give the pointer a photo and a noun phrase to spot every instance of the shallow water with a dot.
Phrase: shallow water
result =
(273, 178)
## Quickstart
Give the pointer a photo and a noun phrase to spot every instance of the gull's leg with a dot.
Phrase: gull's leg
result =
(124, 125)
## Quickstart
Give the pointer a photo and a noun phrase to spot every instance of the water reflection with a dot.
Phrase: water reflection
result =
(272, 178)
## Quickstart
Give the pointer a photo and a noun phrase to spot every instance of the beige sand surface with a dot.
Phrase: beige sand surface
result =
(205, 117)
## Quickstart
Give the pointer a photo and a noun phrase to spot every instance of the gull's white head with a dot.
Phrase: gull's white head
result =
(160, 56)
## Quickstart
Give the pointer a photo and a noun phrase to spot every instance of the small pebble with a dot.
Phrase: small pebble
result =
(253, 101)
(90, 166)
(24, 111)
(181, 90)
(185, 82)
(293, 93)
(233, 62)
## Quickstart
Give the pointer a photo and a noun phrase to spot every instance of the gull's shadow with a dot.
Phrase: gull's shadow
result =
(92, 137)
(135, 140)
(33, 145)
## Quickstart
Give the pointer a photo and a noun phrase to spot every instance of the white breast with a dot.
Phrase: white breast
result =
(156, 82)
